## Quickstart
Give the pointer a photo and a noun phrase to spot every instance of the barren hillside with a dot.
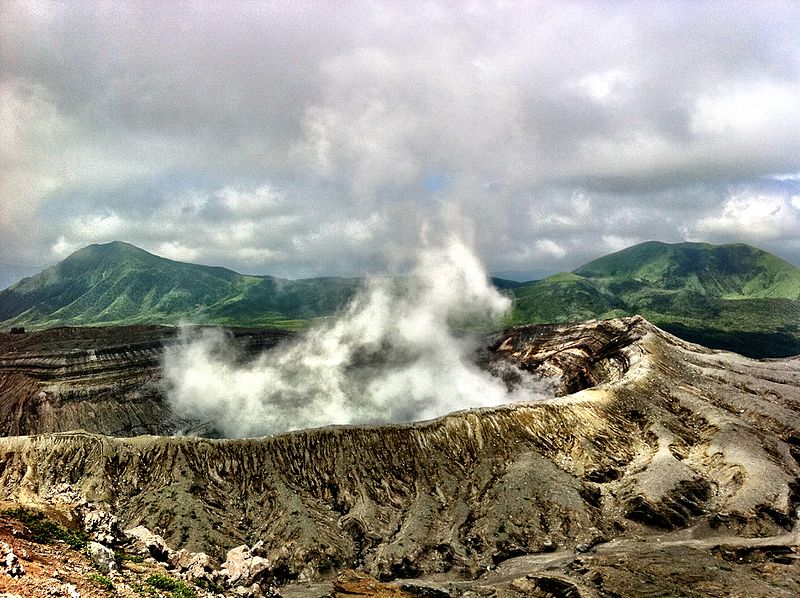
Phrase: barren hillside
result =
(651, 436)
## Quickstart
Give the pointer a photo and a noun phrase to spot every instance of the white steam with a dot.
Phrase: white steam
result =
(392, 356)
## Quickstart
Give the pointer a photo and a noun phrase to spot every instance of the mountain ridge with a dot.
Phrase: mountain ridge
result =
(735, 296)
(119, 283)
(661, 264)
(662, 468)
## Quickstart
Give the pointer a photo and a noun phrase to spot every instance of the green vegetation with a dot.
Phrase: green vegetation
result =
(120, 557)
(735, 297)
(117, 283)
(727, 296)
(176, 587)
(208, 585)
(45, 531)
(101, 580)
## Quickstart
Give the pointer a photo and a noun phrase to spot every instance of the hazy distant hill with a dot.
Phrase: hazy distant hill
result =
(731, 296)
(118, 283)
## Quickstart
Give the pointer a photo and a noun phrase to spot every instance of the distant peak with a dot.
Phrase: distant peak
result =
(111, 246)
(116, 245)
(114, 250)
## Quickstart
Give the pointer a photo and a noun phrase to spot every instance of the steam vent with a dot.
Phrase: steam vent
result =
(660, 468)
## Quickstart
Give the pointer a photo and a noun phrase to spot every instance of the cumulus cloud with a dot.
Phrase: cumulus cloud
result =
(319, 136)
(605, 86)
(753, 218)
(550, 247)
(177, 251)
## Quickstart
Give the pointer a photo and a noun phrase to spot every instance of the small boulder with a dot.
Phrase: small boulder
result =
(102, 526)
(102, 557)
(523, 585)
(192, 564)
(10, 563)
(71, 591)
(243, 568)
(146, 543)
(235, 566)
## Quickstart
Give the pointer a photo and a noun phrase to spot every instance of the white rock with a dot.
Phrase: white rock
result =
(194, 564)
(10, 563)
(243, 569)
(146, 542)
(102, 557)
(102, 526)
(235, 565)
(71, 591)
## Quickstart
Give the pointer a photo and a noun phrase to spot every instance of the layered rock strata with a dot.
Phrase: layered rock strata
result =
(104, 380)
(661, 435)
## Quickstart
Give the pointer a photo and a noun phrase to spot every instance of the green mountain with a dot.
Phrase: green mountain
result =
(735, 297)
(117, 283)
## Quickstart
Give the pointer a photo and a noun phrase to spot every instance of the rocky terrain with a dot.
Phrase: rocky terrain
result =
(662, 468)
(103, 379)
(47, 569)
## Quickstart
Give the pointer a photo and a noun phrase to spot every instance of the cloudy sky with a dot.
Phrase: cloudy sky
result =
(305, 138)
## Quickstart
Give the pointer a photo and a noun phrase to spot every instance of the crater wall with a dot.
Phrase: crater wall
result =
(664, 435)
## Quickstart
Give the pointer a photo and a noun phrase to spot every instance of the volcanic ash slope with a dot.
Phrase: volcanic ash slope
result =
(656, 435)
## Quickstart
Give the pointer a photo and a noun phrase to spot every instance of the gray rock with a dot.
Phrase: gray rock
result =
(64, 493)
(102, 557)
(146, 543)
(425, 590)
(96, 520)
(102, 526)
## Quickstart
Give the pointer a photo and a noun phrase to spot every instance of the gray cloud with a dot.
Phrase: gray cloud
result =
(322, 138)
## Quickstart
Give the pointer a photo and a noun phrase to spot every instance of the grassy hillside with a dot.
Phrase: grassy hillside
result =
(730, 271)
(727, 296)
(117, 283)
(564, 297)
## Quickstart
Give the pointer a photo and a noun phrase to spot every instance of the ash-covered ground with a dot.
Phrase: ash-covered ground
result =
(661, 468)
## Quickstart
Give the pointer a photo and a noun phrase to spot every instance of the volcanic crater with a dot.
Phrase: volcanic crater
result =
(655, 463)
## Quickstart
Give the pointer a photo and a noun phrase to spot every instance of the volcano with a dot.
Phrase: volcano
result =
(661, 467)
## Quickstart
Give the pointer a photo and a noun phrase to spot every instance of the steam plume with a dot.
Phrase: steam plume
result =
(392, 356)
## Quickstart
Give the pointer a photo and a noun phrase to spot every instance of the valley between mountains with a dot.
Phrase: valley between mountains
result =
(659, 468)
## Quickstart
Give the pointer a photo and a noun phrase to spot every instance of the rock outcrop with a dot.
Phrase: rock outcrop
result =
(9, 563)
(102, 557)
(650, 436)
(104, 380)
